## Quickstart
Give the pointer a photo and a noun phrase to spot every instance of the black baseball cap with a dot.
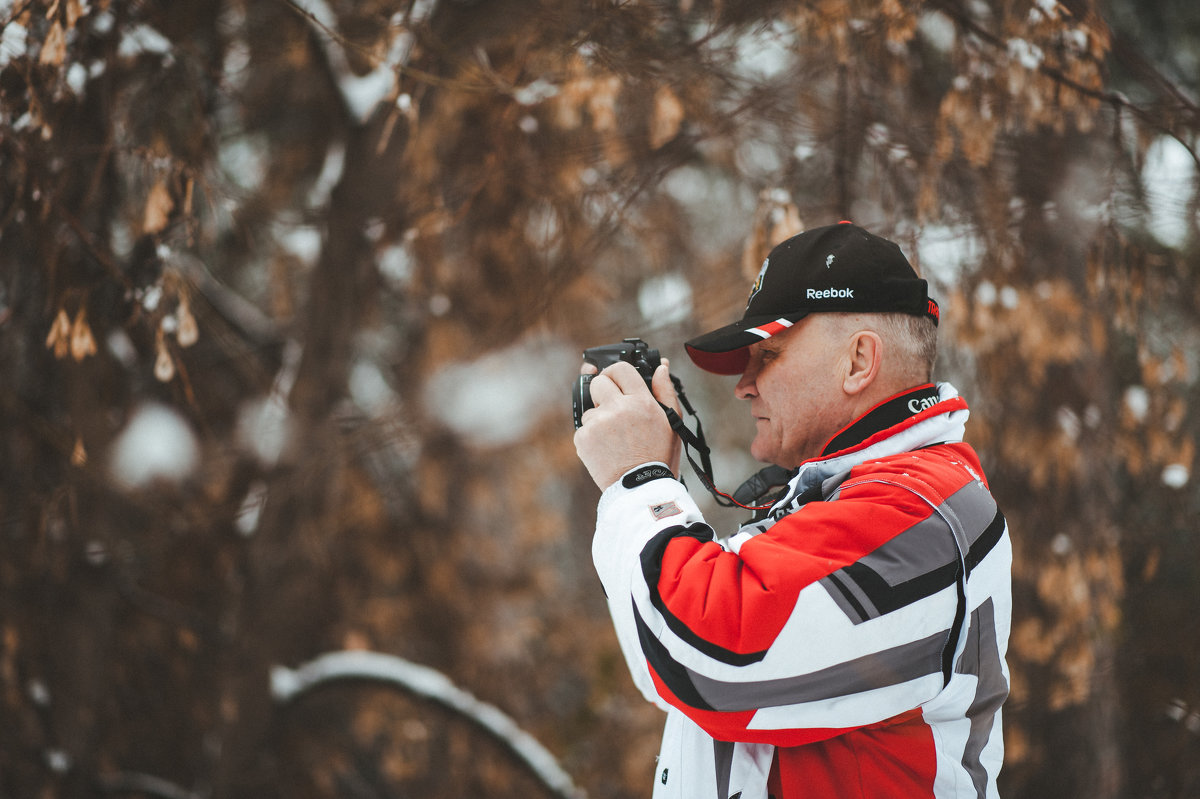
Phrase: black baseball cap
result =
(837, 268)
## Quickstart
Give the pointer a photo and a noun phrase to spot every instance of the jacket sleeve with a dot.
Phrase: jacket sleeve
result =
(843, 614)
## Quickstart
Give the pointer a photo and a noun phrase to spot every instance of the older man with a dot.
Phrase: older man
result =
(850, 640)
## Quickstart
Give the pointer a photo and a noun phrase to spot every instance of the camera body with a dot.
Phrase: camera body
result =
(632, 350)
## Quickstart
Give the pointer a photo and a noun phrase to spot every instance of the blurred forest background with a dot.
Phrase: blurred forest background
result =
(292, 294)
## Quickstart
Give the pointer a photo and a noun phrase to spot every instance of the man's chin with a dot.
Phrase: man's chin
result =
(762, 454)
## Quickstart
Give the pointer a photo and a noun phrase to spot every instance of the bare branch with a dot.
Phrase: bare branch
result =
(136, 783)
(287, 684)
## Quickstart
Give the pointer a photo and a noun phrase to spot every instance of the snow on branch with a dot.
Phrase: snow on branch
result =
(287, 684)
(362, 93)
(144, 784)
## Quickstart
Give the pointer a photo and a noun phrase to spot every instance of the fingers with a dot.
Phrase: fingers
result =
(626, 427)
(620, 378)
(625, 376)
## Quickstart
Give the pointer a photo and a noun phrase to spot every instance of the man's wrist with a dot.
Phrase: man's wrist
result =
(645, 473)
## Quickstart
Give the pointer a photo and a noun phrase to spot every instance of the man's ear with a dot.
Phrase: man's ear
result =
(866, 357)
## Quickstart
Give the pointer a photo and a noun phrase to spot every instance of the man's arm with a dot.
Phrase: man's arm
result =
(780, 642)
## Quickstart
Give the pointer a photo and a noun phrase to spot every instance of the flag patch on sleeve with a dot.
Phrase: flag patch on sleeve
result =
(664, 509)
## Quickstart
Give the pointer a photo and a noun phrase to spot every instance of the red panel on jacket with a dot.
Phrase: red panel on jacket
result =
(894, 758)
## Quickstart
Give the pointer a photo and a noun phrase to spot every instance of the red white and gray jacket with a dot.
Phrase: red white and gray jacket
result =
(850, 644)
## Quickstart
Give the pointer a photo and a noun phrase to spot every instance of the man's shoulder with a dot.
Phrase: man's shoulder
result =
(940, 468)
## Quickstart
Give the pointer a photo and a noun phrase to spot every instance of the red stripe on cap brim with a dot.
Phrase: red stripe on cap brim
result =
(770, 328)
(726, 350)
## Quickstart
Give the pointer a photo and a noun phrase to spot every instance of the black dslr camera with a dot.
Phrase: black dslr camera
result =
(631, 350)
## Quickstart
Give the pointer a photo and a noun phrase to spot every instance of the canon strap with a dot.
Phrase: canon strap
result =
(749, 491)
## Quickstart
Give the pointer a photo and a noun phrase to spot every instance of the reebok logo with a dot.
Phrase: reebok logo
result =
(830, 294)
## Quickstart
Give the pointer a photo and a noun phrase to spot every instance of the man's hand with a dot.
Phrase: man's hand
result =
(627, 427)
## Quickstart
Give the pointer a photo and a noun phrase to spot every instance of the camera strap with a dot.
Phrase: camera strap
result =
(696, 441)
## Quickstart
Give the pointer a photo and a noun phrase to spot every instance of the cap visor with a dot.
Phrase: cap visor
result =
(720, 363)
(725, 351)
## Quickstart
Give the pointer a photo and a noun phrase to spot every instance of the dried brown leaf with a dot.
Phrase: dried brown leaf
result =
(158, 208)
(187, 332)
(59, 338)
(54, 49)
(164, 364)
(667, 119)
(83, 343)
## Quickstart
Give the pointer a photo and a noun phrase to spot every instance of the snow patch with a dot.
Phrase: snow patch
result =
(264, 428)
(1169, 177)
(665, 299)
(143, 39)
(1137, 400)
(156, 444)
(497, 399)
(13, 43)
(1176, 475)
(369, 388)
(945, 252)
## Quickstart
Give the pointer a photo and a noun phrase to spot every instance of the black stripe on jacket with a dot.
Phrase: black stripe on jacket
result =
(652, 555)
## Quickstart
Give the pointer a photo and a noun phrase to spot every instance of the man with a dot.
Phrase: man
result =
(851, 641)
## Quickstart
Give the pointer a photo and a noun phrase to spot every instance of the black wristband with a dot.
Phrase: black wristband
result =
(644, 474)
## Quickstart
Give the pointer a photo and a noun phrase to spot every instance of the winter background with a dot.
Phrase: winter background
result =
(292, 294)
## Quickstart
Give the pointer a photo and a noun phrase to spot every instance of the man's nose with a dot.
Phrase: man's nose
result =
(745, 388)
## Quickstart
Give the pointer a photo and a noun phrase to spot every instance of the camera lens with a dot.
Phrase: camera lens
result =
(581, 398)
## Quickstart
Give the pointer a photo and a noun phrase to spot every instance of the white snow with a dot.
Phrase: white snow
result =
(369, 388)
(244, 160)
(665, 299)
(143, 39)
(302, 241)
(766, 53)
(156, 444)
(986, 294)
(250, 510)
(264, 428)
(1169, 178)
(1176, 475)
(13, 42)
(77, 77)
(363, 93)
(331, 172)
(938, 29)
(1029, 55)
(535, 92)
(1137, 400)
(429, 683)
(1069, 422)
(946, 252)
(397, 264)
(39, 692)
(495, 400)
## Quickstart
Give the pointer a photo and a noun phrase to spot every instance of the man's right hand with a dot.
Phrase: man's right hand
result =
(627, 427)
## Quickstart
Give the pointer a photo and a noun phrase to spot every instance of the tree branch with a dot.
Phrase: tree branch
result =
(287, 684)
(1124, 52)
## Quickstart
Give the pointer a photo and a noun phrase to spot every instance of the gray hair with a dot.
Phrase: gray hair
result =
(914, 337)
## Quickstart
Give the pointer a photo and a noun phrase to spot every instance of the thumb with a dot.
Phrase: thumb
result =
(664, 391)
(663, 388)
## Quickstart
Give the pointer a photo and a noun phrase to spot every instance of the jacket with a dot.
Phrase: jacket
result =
(850, 644)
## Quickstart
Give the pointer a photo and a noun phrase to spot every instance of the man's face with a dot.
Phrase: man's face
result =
(794, 385)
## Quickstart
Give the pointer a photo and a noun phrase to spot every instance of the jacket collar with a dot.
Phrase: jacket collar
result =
(916, 418)
(882, 417)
